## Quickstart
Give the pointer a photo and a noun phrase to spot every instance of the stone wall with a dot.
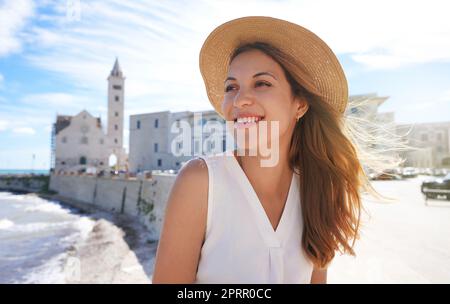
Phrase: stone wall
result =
(24, 183)
(143, 199)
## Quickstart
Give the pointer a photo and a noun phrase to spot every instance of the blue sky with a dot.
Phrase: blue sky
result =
(55, 57)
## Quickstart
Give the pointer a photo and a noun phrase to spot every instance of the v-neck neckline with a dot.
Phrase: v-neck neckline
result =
(273, 236)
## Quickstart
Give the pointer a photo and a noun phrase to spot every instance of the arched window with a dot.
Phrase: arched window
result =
(112, 160)
(83, 160)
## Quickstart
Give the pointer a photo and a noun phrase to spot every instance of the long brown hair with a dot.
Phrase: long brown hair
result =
(326, 157)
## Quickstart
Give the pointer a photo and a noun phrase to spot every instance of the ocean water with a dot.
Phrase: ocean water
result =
(34, 236)
(22, 171)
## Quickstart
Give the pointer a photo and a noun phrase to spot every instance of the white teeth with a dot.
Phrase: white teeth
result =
(248, 119)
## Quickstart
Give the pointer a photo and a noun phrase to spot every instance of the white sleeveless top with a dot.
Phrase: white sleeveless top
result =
(241, 245)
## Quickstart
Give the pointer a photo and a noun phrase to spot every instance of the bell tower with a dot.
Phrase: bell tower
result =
(115, 106)
(116, 82)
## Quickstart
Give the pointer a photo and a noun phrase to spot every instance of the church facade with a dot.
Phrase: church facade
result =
(80, 142)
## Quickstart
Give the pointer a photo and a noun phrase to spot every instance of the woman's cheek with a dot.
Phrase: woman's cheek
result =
(276, 129)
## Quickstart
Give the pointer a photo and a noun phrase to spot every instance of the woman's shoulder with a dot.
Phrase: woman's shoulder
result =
(184, 225)
(188, 199)
(192, 180)
(195, 170)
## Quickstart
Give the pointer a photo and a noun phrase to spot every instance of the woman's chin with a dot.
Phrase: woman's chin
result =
(252, 148)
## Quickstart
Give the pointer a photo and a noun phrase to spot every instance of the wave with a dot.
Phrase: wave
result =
(32, 227)
(6, 224)
(50, 230)
(11, 196)
(51, 272)
(47, 207)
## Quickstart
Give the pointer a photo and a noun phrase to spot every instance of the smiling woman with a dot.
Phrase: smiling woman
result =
(231, 220)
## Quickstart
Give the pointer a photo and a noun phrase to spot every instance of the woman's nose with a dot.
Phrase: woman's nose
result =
(243, 98)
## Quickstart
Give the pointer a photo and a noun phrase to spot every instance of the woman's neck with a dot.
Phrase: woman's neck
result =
(268, 181)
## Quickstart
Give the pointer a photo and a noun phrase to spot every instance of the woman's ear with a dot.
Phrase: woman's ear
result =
(302, 107)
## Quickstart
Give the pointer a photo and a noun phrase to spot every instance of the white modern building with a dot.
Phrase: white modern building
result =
(154, 145)
(432, 141)
(79, 142)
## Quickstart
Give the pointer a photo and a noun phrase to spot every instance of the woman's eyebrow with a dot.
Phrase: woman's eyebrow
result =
(256, 75)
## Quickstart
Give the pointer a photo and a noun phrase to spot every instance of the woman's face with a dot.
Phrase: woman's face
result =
(256, 86)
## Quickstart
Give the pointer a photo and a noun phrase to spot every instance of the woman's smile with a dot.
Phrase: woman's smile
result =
(247, 122)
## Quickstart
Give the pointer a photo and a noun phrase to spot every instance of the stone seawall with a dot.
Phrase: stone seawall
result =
(24, 183)
(144, 199)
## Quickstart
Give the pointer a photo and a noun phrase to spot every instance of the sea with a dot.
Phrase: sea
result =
(23, 171)
(35, 236)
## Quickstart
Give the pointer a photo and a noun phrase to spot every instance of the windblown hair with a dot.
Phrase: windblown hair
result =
(328, 151)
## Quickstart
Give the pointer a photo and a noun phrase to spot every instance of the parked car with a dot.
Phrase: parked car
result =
(440, 172)
(391, 174)
(426, 171)
(409, 172)
(437, 187)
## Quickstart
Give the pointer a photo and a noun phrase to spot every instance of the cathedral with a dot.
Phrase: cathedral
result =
(79, 142)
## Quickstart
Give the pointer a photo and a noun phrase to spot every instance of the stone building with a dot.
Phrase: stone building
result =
(79, 141)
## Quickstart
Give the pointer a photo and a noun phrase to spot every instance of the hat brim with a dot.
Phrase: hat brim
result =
(315, 55)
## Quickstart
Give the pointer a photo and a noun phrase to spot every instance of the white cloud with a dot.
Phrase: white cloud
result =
(24, 130)
(383, 34)
(3, 125)
(35, 112)
(2, 79)
(53, 100)
(34, 117)
(13, 18)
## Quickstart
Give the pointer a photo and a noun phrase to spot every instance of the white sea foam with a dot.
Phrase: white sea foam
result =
(33, 227)
(49, 230)
(47, 207)
(51, 272)
(84, 225)
(6, 224)
(11, 196)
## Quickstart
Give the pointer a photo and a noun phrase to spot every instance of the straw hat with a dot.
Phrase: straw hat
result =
(315, 55)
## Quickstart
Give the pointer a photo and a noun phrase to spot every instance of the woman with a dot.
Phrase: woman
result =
(231, 220)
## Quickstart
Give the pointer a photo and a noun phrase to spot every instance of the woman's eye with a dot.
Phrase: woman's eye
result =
(263, 82)
(257, 84)
(228, 88)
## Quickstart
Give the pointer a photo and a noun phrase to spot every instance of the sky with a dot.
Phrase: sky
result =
(55, 57)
